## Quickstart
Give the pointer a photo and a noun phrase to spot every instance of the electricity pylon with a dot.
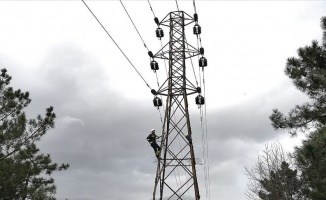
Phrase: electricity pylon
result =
(176, 176)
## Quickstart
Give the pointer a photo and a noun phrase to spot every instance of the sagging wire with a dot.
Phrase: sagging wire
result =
(177, 4)
(158, 84)
(150, 6)
(193, 68)
(204, 148)
(195, 6)
(206, 135)
(199, 67)
(166, 70)
(116, 43)
(134, 25)
(205, 122)
(203, 118)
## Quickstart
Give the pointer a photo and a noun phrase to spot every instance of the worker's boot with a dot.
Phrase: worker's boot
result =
(157, 153)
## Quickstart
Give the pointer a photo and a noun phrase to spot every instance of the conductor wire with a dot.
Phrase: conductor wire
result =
(116, 44)
(134, 25)
(150, 6)
(177, 4)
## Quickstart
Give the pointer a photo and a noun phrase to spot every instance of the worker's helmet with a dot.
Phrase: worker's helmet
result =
(152, 130)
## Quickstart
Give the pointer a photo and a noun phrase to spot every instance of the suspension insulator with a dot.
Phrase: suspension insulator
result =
(154, 65)
(157, 102)
(201, 50)
(150, 54)
(202, 62)
(196, 17)
(156, 20)
(198, 90)
(153, 92)
(200, 100)
(159, 33)
(197, 29)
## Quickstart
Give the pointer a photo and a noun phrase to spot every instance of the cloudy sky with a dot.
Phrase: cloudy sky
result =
(58, 52)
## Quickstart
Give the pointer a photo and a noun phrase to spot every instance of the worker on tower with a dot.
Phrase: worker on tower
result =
(151, 138)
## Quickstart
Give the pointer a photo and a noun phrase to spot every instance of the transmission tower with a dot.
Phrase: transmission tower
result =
(176, 176)
(177, 158)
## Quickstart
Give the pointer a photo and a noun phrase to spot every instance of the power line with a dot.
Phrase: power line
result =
(205, 148)
(150, 6)
(177, 4)
(134, 25)
(207, 158)
(204, 123)
(199, 67)
(116, 44)
(195, 6)
(158, 84)
(192, 63)
(167, 73)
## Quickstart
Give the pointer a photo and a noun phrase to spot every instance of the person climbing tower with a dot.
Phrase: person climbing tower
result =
(151, 138)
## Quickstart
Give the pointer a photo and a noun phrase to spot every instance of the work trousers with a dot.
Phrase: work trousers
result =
(155, 147)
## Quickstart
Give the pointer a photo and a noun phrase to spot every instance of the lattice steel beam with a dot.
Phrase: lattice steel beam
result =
(176, 143)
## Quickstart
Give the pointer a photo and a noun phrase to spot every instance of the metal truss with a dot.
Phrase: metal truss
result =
(176, 170)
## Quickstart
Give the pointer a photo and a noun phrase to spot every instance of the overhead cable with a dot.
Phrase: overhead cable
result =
(203, 119)
(116, 44)
(177, 4)
(193, 68)
(207, 157)
(199, 67)
(150, 6)
(158, 84)
(195, 7)
(204, 147)
(134, 25)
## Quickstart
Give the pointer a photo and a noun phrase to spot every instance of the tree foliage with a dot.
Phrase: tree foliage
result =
(282, 184)
(306, 178)
(273, 177)
(311, 161)
(308, 73)
(24, 171)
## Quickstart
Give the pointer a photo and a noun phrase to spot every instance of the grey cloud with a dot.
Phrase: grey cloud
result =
(102, 134)
(106, 146)
(250, 120)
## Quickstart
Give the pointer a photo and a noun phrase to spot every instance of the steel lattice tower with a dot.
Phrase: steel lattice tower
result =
(177, 156)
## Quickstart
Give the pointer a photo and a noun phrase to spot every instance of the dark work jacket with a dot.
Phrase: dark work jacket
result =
(151, 138)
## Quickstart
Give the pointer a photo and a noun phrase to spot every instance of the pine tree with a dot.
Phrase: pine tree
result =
(308, 73)
(272, 177)
(24, 171)
(311, 161)
(281, 184)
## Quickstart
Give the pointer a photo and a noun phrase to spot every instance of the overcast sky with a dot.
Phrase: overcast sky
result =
(58, 52)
